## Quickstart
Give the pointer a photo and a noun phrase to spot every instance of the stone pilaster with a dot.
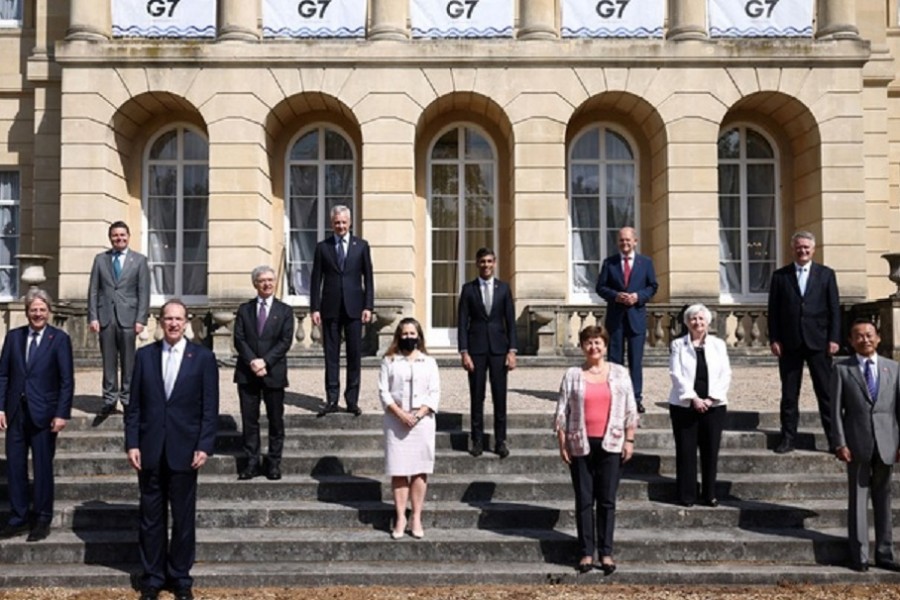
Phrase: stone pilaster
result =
(239, 20)
(89, 21)
(537, 20)
(836, 19)
(389, 20)
(687, 20)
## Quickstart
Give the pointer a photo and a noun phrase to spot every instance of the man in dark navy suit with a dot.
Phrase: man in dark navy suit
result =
(263, 333)
(627, 282)
(486, 335)
(36, 388)
(342, 297)
(804, 326)
(170, 432)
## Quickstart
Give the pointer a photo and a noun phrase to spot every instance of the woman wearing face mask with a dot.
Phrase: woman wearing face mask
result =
(410, 388)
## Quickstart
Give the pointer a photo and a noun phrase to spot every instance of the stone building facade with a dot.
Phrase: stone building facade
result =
(226, 153)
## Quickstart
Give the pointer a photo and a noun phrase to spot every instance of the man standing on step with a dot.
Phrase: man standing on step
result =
(170, 432)
(865, 431)
(486, 336)
(342, 298)
(118, 307)
(627, 282)
(263, 333)
(804, 327)
(37, 383)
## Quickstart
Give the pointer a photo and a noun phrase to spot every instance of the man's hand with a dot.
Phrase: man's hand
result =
(3, 423)
(467, 363)
(95, 326)
(57, 424)
(776, 348)
(510, 361)
(258, 366)
(316, 317)
(843, 454)
(366, 316)
(134, 459)
(199, 459)
(833, 348)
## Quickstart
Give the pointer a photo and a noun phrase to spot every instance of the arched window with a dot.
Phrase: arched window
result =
(603, 192)
(462, 204)
(321, 173)
(748, 214)
(176, 210)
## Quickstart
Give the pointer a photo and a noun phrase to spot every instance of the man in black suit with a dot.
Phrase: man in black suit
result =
(170, 432)
(118, 307)
(36, 387)
(342, 297)
(263, 333)
(487, 345)
(804, 326)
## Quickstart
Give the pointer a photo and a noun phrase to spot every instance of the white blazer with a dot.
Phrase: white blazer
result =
(683, 368)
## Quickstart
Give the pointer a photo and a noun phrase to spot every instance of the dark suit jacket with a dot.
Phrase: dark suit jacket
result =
(48, 382)
(479, 332)
(813, 319)
(272, 346)
(125, 301)
(860, 424)
(186, 422)
(330, 287)
(612, 281)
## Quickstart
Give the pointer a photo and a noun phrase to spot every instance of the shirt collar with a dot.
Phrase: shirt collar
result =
(40, 333)
(179, 347)
(486, 281)
(628, 256)
(862, 361)
(807, 266)
(121, 252)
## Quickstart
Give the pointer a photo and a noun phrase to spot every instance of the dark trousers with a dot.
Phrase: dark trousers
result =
(790, 368)
(251, 394)
(21, 435)
(596, 481)
(332, 329)
(618, 339)
(493, 366)
(869, 478)
(693, 431)
(117, 352)
(167, 562)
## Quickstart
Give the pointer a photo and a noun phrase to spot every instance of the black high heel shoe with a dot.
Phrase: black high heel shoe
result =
(584, 567)
(607, 568)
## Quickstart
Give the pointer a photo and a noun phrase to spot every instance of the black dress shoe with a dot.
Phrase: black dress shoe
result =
(249, 473)
(501, 450)
(107, 409)
(608, 568)
(10, 531)
(685, 503)
(184, 594)
(327, 409)
(888, 565)
(40, 532)
(149, 594)
(477, 448)
(640, 408)
(859, 567)
(584, 567)
(785, 446)
(274, 473)
(354, 410)
(712, 502)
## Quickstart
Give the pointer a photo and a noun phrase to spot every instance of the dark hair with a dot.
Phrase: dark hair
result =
(118, 225)
(593, 331)
(178, 301)
(863, 321)
(482, 252)
(395, 343)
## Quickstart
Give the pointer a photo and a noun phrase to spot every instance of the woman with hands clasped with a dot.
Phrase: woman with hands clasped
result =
(701, 375)
(596, 417)
(410, 388)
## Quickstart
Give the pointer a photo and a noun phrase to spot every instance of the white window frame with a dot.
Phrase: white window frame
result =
(160, 299)
(322, 217)
(17, 202)
(440, 337)
(743, 161)
(592, 297)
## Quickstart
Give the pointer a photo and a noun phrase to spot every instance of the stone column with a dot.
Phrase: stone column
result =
(239, 20)
(389, 20)
(836, 19)
(687, 20)
(537, 20)
(89, 21)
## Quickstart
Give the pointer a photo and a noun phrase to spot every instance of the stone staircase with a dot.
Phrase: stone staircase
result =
(781, 519)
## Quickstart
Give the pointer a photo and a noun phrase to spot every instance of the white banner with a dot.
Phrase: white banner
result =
(164, 18)
(461, 18)
(613, 18)
(314, 18)
(761, 18)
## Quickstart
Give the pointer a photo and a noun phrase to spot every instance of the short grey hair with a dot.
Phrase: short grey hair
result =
(341, 208)
(254, 275)
(804, 235)
(694, 309)
(38, 294)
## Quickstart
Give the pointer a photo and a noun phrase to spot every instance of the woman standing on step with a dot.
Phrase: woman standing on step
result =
(596, 417)
(410, 389)
(701, 375)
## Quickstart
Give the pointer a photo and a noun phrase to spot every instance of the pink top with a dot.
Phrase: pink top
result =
(597, 400)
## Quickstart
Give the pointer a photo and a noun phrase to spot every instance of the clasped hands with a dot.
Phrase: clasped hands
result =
(628, 299)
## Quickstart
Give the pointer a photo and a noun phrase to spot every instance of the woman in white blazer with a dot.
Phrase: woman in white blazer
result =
(701, 376)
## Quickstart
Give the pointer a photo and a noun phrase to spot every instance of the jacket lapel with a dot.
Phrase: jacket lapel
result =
(856, 375)
(186, 366)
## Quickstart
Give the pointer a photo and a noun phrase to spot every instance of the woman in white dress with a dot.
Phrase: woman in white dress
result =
(410, 388)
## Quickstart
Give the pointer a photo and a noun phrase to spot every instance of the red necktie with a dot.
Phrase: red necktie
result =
(627, 267)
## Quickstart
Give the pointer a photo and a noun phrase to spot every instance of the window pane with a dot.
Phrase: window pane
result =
(761, 244)
(307, 147)
(339, 180)
(586, 246)
(480, 212)
(587, 146)
(445, 279)
(585, 179)
(9, 185)
(162, 279)
(9, 278)
(194, 276)
(443, 311)
(8, 251)
(9, 220)
(584, 277)
(616, 147)
(162, 180)
(298, 282)
(304, 180)
(761, 212)
(477, 146)
(730, 244)
(162, 246)
(619, 212)
(760, 276)
(445, 180)
(161, 213)
(475, 240)
(620, 180)
(165, 147)
(729, 211)
(730, 145)
(445, 245)
(479, 180)
(196, 244)
(195, 213)
(444, 212)
(757, 146)
(760, 179)
(195, 147)
(447, 146)
(729, 179)
(304, 213)
(11, 10)
(336, 147)
(585, 213)
(196, 180)
(730, 277)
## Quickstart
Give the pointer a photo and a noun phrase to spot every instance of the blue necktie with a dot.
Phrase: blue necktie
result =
(870, 380)
(32, 347)
(117, 264)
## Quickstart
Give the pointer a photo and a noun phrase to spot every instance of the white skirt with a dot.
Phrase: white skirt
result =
(408, 451)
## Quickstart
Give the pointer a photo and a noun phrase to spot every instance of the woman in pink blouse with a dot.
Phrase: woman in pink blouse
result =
(596, 417)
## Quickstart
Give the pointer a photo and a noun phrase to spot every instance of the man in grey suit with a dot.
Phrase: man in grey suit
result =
(866, 435)
(118, 307)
